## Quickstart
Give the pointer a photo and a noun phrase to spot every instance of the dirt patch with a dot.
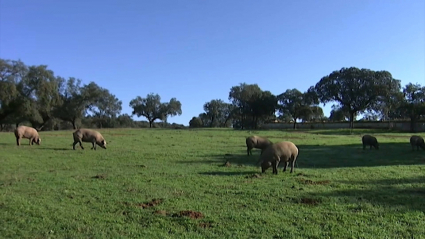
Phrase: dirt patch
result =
(161, 212)
(190, 214)
(309, 201)
(310, 182)
(256, 175)
(152, 203)
(227, 164)
(100, 176)
(205, 224)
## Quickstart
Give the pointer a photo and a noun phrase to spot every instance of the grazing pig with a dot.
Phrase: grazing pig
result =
(417, 141)
(256, 142)
(285, 151)
(27, 133)
(370, 140)
(88, 135)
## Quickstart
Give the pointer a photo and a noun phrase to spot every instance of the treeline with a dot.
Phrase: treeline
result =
(34, 95)
(375, 94)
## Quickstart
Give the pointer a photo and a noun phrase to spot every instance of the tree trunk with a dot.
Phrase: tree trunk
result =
(413, 124)
(17, 125)
(295, 123)
(150, 123)
(352, 120)
(73, 124)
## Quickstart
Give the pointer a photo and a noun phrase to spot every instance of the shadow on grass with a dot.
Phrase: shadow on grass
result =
(351, 132)
(332, 156)
(218, 173)
(399, 193)
(55, 149)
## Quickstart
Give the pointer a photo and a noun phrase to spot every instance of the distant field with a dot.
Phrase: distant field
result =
(159, 183)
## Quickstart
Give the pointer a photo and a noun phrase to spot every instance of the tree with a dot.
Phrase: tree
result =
(356, 89)
(251, 105)
(413, 104)
(387, 103)
(218, 112)
(195, 122)
(125, 120)
(172, 108)
(296, 104)
(73, 104)
(12, 75)
(102, 106)
(152, 109)
(44, 96)
(339, 114)
(205, 119)
(313, 114)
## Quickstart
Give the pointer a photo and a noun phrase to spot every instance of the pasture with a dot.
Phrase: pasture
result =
(163, 183)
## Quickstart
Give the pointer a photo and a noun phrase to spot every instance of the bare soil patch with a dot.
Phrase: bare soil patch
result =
(205, 224)
(100, 176)
(310, 182)
(152, 203)
(161, 212)
(227, 164)
(256, 175)
(189, 213)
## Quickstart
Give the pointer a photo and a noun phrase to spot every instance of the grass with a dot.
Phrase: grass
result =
(158, 183)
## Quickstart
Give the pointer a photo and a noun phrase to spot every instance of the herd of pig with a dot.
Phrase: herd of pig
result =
(80, 135)
(271, 153)
(287, 152)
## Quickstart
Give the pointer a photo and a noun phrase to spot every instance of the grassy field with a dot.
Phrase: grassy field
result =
(158, 183)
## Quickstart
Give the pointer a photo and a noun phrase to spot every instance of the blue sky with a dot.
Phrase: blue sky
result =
(197, 50)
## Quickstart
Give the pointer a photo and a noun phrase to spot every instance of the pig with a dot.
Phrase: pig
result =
(417, 141)
(27, 132)
(256, 142)
(285, 151)
(88, 135)
(370, 140)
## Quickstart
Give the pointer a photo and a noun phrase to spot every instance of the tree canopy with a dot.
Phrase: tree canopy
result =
(34, 95)
(356, 89)
(152, 108)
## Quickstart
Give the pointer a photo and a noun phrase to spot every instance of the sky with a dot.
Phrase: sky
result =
(196, 51)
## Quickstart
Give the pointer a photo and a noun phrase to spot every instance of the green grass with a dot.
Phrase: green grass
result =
(337, 190)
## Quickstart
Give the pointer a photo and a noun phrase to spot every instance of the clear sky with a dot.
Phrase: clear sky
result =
(197, 50)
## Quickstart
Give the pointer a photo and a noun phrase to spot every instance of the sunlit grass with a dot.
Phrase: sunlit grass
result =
(337, 190)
